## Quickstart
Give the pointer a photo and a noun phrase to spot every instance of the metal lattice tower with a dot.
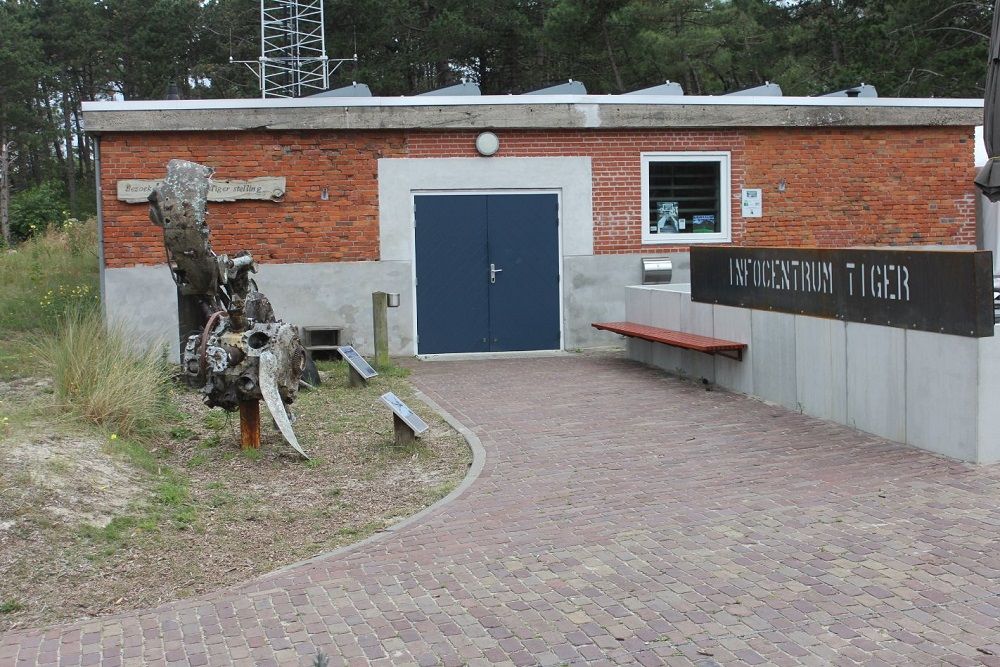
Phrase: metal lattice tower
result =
(293, 58)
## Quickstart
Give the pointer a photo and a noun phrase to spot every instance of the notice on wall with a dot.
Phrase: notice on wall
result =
(752, 203)
(272, 188)
(930, 290)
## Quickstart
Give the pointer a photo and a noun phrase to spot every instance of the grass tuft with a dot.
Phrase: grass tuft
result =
(10, 606)
(252, 454)
(101, 377)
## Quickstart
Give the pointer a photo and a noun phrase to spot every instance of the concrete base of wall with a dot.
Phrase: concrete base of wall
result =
(592, 292)
(144, 300)
(339, 294)
(321, 294)
(933, 391)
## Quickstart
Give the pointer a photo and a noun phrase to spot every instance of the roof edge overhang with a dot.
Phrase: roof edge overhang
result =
(515, 112)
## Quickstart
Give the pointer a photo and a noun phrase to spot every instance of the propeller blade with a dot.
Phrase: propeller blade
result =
(269, 390)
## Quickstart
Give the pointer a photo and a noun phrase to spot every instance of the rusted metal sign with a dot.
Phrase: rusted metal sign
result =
(930, 290)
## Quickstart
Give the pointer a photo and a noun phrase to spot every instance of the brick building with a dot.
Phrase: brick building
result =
(524, 247)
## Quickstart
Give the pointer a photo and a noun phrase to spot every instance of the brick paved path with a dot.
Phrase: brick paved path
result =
(624, 517)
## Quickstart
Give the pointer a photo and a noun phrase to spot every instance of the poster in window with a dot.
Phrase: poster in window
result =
(667, 220)
(703, 224)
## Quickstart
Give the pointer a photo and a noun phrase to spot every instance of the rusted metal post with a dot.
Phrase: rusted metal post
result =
(250, 424)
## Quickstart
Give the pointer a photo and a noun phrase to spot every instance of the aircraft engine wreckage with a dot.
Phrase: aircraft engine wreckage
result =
(237, 352)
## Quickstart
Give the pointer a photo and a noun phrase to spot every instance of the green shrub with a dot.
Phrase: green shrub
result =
(36, 209)
(48, 275)
(100, 375)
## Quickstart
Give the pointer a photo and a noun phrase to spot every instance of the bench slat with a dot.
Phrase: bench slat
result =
(687, 341)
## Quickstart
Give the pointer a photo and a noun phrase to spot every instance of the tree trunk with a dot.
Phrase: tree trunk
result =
(70, 159)
(4, 185)
(611, 58)
(693, 74)
(83, 143)
(46, 103)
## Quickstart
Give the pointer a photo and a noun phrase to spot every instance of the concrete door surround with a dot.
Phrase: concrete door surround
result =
(400, 179)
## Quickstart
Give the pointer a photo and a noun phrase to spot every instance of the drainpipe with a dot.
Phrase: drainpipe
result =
(100, 221)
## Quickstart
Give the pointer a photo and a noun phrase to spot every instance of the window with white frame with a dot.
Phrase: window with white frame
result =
(685, 197)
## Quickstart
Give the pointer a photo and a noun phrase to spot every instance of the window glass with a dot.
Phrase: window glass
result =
(684, 197)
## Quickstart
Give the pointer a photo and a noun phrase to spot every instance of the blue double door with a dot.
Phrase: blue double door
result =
(487, 269)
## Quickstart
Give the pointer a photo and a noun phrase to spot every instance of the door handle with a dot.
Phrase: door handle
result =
(493, 273)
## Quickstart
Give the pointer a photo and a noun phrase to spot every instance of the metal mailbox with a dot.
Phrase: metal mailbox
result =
(657, 270)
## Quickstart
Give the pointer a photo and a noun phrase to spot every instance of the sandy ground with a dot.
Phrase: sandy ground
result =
(88, 527)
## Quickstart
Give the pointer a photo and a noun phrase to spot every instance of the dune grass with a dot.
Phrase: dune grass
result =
(51, 325)
(100, 376)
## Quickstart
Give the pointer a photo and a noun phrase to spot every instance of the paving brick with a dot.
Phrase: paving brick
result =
(622, 517)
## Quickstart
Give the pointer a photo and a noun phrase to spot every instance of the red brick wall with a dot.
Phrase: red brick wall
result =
(887, 186)
(303, 228)
(884, 186)
(843, 186)
(615, 165)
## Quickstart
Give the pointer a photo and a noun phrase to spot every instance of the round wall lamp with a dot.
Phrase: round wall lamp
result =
(487, 144)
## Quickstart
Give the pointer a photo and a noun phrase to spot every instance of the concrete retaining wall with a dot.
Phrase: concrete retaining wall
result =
(933, 391)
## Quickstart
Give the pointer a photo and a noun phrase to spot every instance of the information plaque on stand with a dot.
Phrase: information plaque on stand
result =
(407, 425)
(359, 370)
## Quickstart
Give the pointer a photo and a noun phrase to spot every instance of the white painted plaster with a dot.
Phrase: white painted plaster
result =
(399, 178)
(592, 292)
(144, 300)
(315, 294)
(339, 294)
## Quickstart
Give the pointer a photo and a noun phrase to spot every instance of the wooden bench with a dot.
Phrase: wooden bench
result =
(687, 341)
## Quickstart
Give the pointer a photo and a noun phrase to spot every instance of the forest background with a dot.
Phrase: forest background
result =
(55, 54)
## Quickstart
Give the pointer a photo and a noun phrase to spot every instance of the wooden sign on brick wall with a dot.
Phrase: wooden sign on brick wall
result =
(134, 191)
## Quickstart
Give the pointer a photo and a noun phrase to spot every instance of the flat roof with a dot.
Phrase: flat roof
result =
(531, 112)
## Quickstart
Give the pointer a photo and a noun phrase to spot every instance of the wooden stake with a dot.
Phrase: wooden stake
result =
(380, 327)
(402, 431)
(250, 424)
(354, 378)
